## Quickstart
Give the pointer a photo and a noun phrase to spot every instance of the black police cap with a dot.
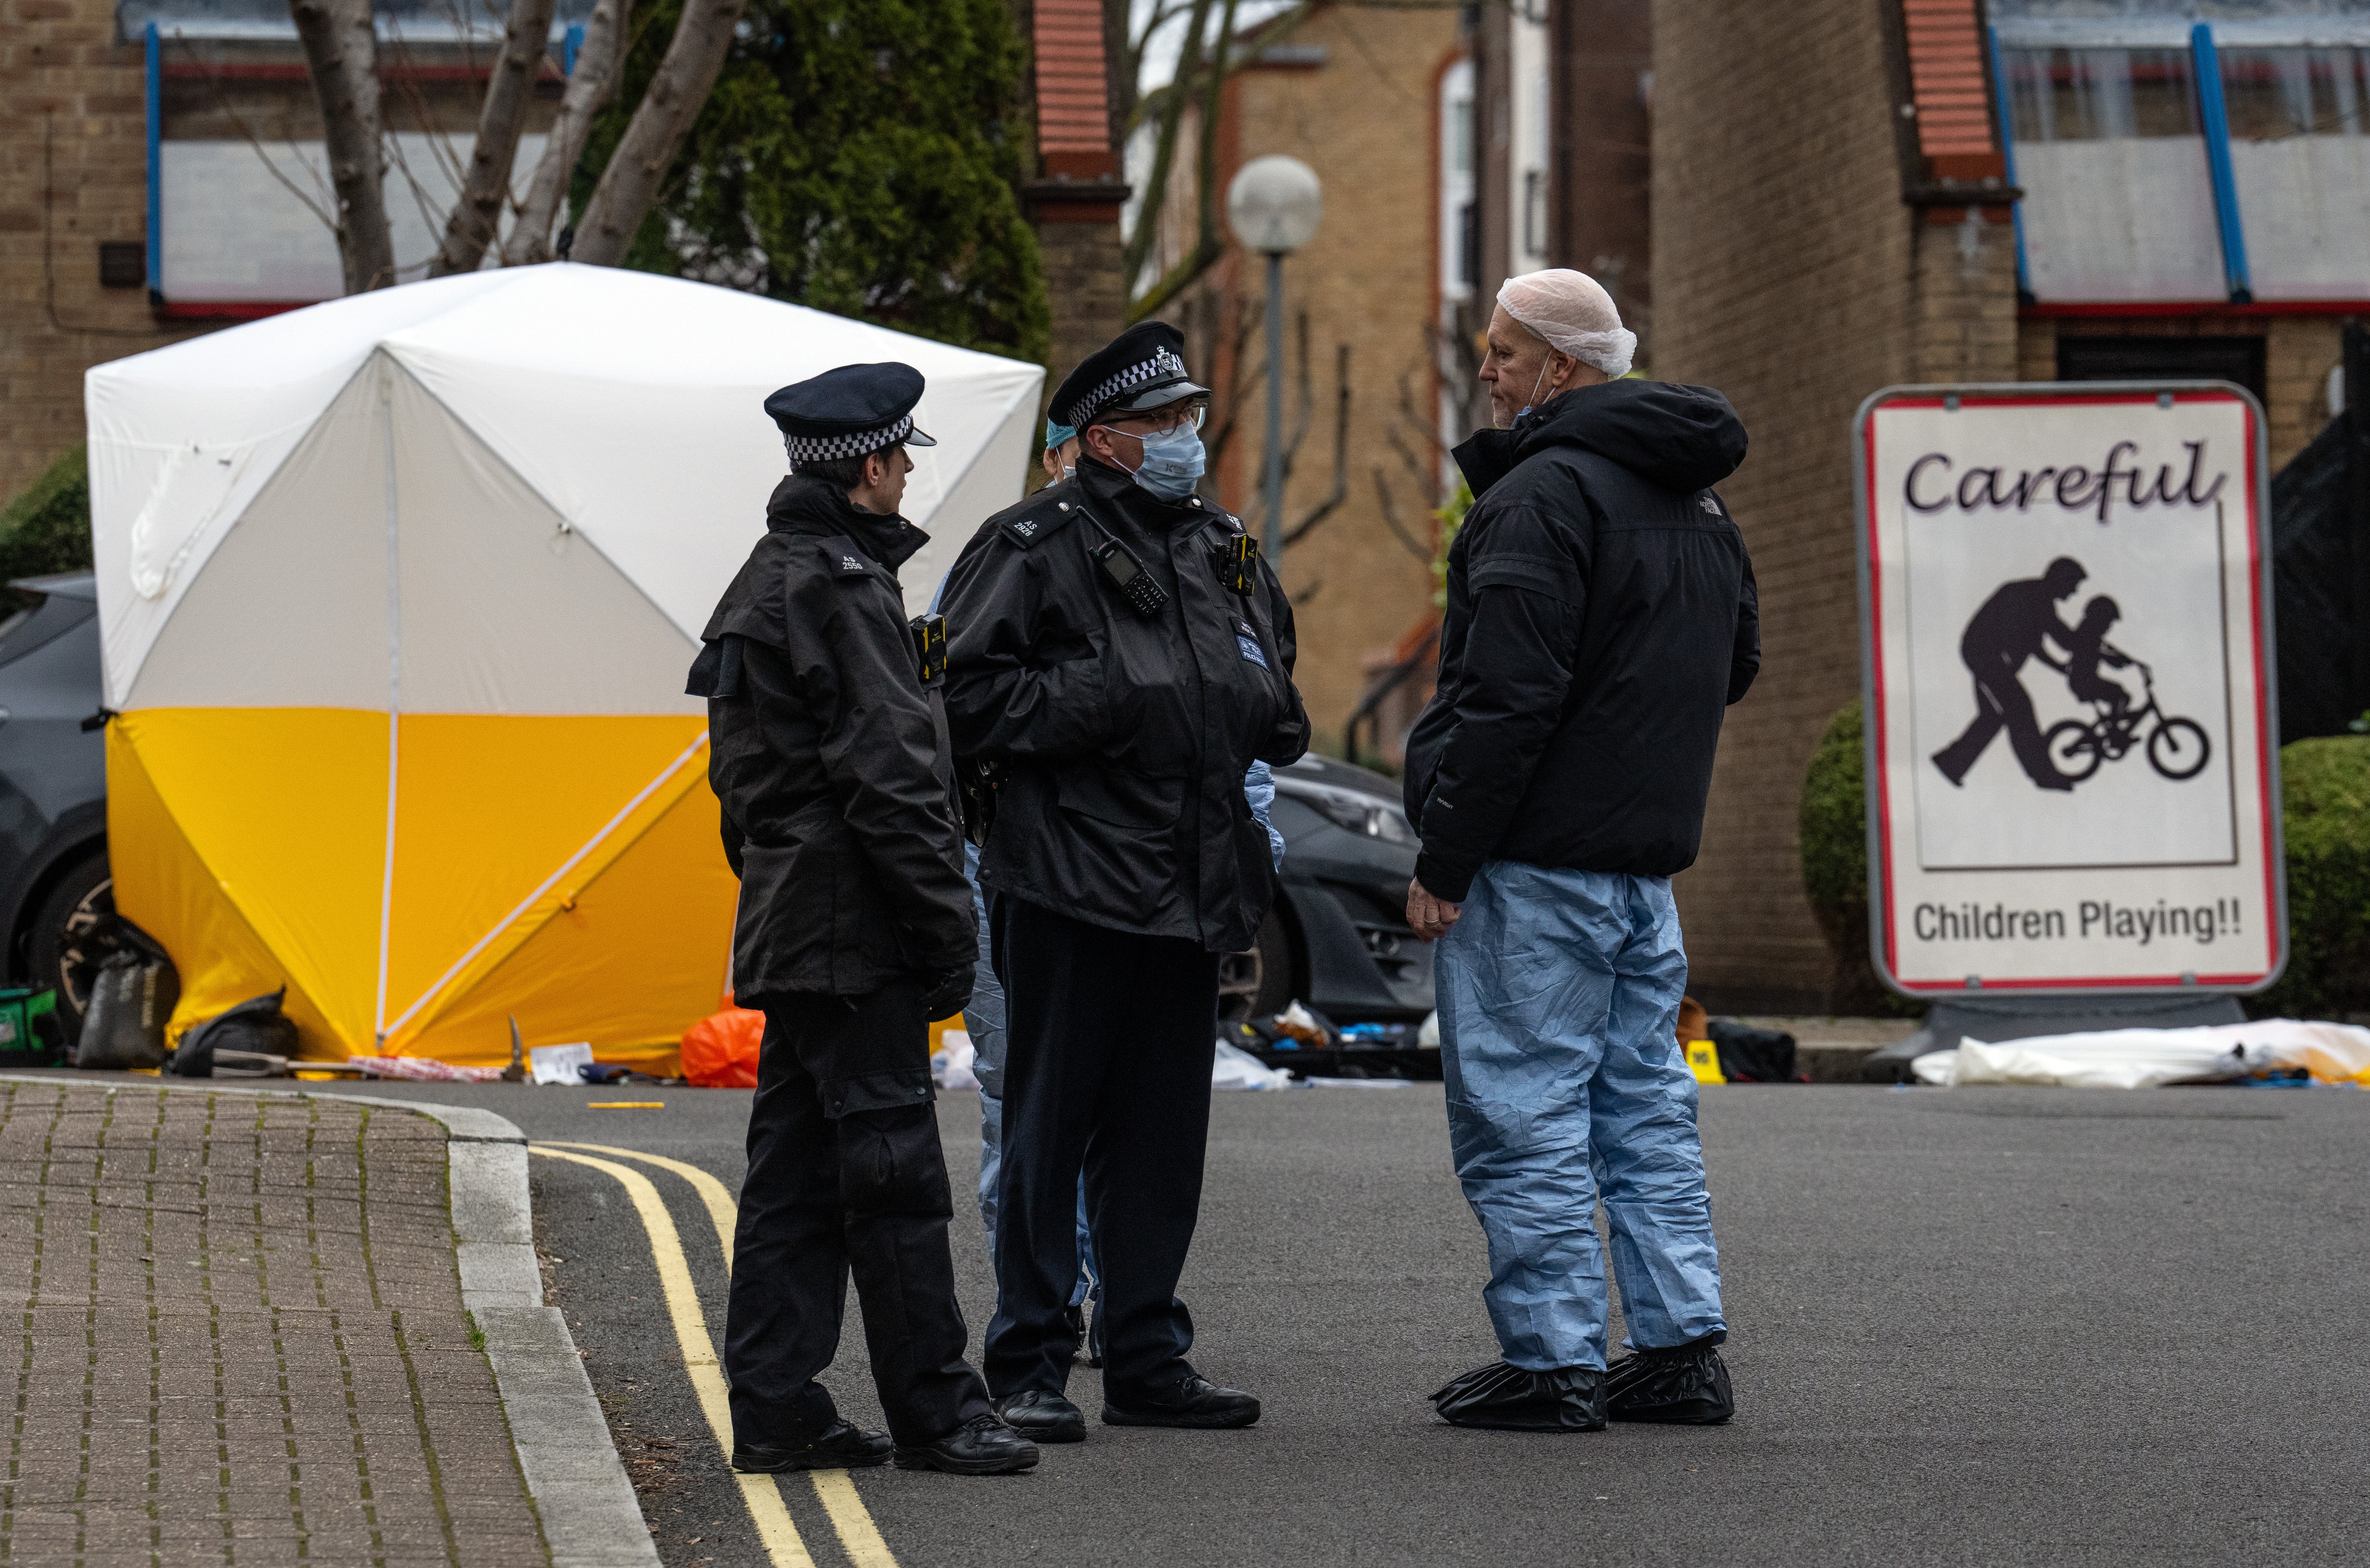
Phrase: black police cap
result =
(849, 412)
(1140, 369)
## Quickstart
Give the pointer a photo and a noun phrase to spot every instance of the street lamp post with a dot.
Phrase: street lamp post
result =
(1274, 206)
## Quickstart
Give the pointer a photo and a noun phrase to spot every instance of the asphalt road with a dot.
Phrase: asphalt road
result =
(1970, 1326)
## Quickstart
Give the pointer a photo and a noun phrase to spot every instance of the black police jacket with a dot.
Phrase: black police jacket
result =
(831, 758)
(1602, 615)
(1120, 738)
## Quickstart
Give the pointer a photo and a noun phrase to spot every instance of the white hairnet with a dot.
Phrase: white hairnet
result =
(1572, 313)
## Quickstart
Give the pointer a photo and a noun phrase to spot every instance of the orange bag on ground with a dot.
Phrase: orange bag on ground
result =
(721, 1052)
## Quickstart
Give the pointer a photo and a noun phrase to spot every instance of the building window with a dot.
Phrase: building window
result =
(2300, 156)
(1458, 261)
(2238, 359)
(2118, 196)
(1535, 213)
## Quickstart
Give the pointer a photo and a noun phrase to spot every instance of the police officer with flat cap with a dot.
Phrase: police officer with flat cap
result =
(829, 751)
(1119, 657)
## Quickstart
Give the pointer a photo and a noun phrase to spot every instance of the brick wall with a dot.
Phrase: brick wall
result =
(1788, 274)
(1365, 121)
(2299, 353)
(1084, 288)
(71, 98)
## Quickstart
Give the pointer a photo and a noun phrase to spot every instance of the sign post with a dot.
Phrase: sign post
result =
(2073, 765)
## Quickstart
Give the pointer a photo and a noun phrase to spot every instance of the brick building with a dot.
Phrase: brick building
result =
(168, 176)
(1368, 96)
(1076, 198)
(1851, 194)
(73, 203)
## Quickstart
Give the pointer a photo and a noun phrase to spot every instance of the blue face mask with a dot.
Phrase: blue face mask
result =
(1172, 463)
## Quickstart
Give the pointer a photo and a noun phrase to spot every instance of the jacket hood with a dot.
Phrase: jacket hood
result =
(1682, 438)
(803, 503)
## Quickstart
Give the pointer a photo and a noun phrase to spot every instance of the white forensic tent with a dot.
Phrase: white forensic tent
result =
(398, 595)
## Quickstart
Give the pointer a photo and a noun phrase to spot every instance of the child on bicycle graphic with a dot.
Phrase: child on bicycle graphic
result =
(2086, 649)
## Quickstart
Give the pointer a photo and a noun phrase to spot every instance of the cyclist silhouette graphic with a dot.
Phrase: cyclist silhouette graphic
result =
(2011, 627)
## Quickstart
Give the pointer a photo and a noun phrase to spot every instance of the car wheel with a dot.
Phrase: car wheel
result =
(1279, 983)
(61, 952)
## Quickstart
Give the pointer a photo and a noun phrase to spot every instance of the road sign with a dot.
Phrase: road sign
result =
(2066, 634)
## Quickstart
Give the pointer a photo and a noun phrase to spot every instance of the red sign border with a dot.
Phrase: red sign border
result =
(1880, 811)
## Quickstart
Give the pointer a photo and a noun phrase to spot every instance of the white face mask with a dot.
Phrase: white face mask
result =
(1536, 385)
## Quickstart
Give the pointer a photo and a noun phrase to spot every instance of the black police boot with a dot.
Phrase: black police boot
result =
(1042, 1416)
(1193, 1400)
(981, 1445)
(1682, 1383)
(1511, 1398)
(837, 1447)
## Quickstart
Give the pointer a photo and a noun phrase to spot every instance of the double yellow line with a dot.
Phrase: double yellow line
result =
(858, 1537)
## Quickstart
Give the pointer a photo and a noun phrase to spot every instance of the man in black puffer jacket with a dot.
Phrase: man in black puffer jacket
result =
(1601, 617)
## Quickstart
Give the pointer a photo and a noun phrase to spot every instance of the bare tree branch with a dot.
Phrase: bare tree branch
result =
(599, 60)
(476, 219)
(263, 154)
(341, 50)
(1137, 248)
(1340, 490)
(630, 184)
(1391, 520)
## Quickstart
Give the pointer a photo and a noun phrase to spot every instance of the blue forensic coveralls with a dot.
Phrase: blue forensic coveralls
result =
(1601, 615)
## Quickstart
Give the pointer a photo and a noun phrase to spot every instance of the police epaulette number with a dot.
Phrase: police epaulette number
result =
(1033, 527)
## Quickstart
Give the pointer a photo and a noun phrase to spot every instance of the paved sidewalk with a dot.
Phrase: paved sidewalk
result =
(240, 1339)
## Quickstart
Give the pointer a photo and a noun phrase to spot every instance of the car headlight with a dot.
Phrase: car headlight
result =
(1373, 817)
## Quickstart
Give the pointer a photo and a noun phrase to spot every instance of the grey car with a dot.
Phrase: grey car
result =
(54, 885)
(1338, 937)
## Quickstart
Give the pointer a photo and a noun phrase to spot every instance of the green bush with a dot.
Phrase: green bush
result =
(2326, 800)
(46, 529)
(1834, 869)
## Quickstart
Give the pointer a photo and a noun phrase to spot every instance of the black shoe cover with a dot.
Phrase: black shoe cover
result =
(1569, 1399)
(1684, 1383)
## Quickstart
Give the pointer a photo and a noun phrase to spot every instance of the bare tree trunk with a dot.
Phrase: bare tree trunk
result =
(476, 218)
(630, 184)
(599, 59)
(342, 50)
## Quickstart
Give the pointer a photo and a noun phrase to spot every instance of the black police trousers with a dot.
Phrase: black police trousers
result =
(1108, 1044)
(846, 1176)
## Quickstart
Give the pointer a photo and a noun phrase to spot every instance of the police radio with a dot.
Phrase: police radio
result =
(1238, 560)
(1136, 585)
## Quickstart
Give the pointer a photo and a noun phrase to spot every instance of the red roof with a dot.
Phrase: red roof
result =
(1946, 76)
(1073, 104)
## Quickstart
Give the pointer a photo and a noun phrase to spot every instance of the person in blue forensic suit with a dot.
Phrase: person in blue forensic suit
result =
(1118, 658)
(984, 1016)
(1601, 617)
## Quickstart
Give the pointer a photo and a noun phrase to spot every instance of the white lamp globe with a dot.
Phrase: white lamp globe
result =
(1274, 204)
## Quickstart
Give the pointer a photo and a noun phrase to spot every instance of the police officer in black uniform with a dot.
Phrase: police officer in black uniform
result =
(829, 751)
(1118, 656)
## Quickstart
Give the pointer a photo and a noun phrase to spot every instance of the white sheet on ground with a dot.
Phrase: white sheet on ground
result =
(2147, 1058)
(1237, 1069)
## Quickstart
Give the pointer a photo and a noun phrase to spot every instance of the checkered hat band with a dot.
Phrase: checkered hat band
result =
(825, 449)
(1163, 362)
